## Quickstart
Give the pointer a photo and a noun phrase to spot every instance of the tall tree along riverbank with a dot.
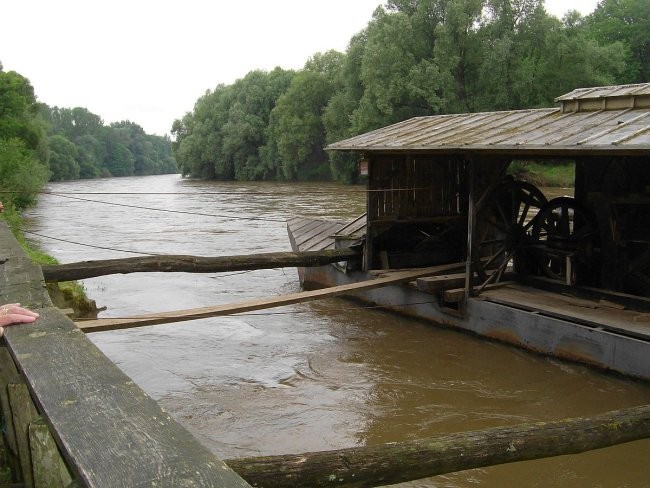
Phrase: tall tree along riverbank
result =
(415, 57)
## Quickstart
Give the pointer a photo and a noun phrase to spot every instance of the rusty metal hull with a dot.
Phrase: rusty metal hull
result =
(547, 335)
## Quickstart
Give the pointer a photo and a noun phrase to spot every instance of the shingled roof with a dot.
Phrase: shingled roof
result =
(599, 120)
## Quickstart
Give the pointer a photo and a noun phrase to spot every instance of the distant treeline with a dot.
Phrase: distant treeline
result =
(415, 57)
(39, 143)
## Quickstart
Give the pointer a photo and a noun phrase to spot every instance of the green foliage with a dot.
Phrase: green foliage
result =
(415, 57)
(63, 159)
(296, 127)
(121, 149)
(225, 137)
(21, 174)
(22, 143)
(544, 174)
(18, 111)
(626, 22)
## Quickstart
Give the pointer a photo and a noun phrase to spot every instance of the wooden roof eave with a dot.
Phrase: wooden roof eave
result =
(516, 151)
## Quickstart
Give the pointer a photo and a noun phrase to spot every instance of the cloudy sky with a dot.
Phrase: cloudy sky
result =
(149, 60)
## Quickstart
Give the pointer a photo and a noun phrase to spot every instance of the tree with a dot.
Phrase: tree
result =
(18, 110)
(21, 174)
(628, 22)
(297, 130)
(63, 159)
(225, 136)
(23, 150)
(457, 54)
(395, 56)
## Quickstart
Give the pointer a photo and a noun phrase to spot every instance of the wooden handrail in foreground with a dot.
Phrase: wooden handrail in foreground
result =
(110, 432)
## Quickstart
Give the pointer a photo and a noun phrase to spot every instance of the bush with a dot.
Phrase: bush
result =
(544, 174)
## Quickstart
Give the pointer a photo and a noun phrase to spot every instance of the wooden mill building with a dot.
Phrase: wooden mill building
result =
(543, 274)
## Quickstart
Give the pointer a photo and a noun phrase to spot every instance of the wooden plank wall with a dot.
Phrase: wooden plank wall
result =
(409, 187)
(110, 433)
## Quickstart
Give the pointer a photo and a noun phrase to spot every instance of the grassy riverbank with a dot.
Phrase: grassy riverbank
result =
(66, 294)
(544, 174)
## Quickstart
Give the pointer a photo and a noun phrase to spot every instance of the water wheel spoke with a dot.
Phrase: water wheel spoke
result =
(564, 224)
(565, 232)
(492, 242)
(508, 213)
(491, 259)
(504, 218)
(524, 214)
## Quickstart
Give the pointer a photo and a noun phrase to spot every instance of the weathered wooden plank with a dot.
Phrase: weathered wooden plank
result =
(8, 375)
(458, 294)
(306, 229)
(258, 304)
(111, 433)
(323, 228)
(357, 226)
(591, 313)
(435, 284)
(193, 264)
(322, 240)
(398, 462)
(297, 223)
(23, 412)
(49, 469)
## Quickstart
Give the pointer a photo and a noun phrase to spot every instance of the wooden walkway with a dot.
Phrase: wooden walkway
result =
(316, 235)
(602, 314)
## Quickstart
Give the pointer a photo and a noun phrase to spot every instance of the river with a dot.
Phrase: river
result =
(323, 375)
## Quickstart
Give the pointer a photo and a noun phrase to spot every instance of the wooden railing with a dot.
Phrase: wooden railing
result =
(73, 418)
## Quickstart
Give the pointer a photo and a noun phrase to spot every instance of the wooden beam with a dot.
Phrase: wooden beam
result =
(397, 462)
(436, 284)
(194, 264)
(259, 304)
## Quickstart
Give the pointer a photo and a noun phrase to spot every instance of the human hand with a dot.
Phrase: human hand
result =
(13, 313)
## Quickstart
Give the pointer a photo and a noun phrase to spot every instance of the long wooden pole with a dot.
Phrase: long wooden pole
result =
(194, 264)
(405, 461)
(393, 278)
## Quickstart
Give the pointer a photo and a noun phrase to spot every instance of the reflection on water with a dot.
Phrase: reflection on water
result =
(314, 376)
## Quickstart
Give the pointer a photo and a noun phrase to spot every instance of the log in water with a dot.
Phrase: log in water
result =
(422, 458)
(194, 264)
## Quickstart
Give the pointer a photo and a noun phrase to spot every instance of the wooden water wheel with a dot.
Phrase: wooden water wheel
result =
(503, 229)
(566, 241)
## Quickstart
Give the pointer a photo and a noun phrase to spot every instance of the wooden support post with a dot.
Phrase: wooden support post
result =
(471, 224)
(49, 469)
(8, 375)
(24, 413)
(398, 462)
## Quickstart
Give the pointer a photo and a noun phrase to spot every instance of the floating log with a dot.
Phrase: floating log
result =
(391, 278)
(406, 461)
(194, 264)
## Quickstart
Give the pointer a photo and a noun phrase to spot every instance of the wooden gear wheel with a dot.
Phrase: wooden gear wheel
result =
(566, 241)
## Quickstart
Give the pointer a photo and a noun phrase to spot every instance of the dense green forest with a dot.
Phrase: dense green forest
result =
(415, 57)
(39, 143)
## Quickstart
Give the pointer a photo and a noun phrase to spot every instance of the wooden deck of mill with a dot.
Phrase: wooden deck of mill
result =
(622, 321)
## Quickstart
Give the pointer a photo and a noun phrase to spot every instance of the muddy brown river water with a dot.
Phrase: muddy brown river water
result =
(315, 376)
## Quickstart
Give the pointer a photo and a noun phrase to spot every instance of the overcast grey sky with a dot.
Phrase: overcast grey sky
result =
(149, 60)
